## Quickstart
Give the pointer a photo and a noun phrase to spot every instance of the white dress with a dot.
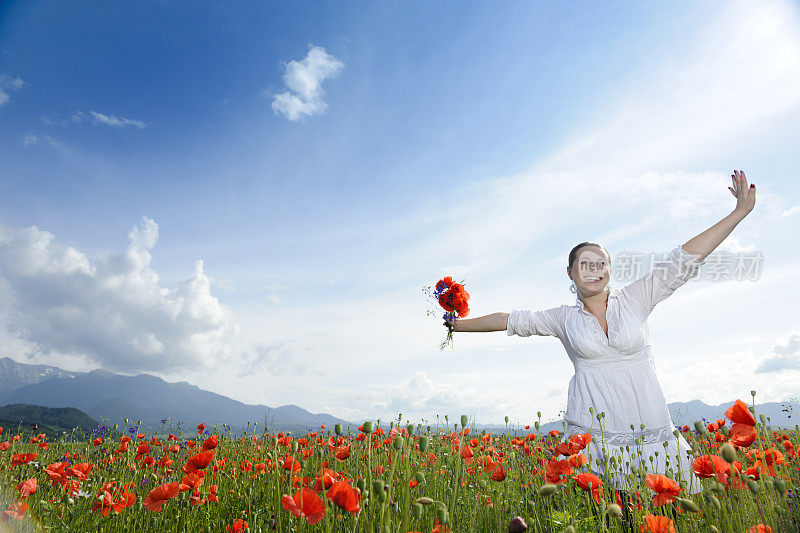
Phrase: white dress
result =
(616, 375)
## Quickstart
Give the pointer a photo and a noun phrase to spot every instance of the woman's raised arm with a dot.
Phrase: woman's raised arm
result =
(705, 243)
(493, 322)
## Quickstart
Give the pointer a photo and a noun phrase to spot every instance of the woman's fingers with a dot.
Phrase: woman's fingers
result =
(732, 192)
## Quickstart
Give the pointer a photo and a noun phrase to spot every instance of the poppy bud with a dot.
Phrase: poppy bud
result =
(780, 486)
(361, 484)
(753, 485)
(368, 427)
(424, 500)
(700, 428)
(688, 505)
(423, 443)
(382, 497)
(465, 420)
(725, 430)
(547, 490)
(294, 445)
(763, 419)
(570, 529)
(420, 477)
(728, 452)
(517, 525)
(506, 420)
(398, 443)
(441, 514)
(337, 429)
(410, 429)
(416, 509)
(482, 484)
(377, 486)
(615, 510)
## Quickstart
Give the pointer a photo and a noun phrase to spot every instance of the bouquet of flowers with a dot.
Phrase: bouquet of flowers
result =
(452, 297)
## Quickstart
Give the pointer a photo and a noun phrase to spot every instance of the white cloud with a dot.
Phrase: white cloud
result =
(304, 80)
(791, 211)
(108, 120)
(782, 356)
(112, 308)
(30, 139)
(8, 84)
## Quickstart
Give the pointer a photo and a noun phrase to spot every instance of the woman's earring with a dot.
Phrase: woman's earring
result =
(572, 288)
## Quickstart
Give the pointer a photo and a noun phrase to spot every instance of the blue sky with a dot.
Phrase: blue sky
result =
(478, 139)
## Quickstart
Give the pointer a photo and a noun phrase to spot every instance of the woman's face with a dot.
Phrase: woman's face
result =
(591, 271)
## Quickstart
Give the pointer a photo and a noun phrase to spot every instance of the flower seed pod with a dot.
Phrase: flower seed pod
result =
(423, 443)
(728, 452)
(464, 421)
(753, 485)
(700, 428)
(416, 510)
(368, 427)
(547, 489)
(337, 429)
(424, 500)
(398, 443)
(615, 510)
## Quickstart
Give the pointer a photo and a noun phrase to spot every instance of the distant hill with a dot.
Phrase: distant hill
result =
(110, 398)
(14, 375)
(53, 422)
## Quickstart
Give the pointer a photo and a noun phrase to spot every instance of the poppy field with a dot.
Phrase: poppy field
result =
(398, 477)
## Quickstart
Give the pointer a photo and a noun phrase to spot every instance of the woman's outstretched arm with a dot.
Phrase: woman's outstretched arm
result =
(705, 243)
(493, 322)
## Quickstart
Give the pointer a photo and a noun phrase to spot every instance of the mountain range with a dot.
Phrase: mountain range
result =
(111, 398)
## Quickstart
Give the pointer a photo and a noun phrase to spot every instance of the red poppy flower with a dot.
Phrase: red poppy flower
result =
(665, 488)
(657, 524)
(558, 471)
(344, 496)
(211, 442)
(155, 499)
(305, 504)
(740, 414)
(705, 465)
(198, 461)
(27, 487)
(238, 526)
(583, 479)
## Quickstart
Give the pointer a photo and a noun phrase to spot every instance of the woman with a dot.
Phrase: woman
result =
(607, 338)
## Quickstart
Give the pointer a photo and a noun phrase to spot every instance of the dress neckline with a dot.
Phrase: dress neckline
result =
(612, 293)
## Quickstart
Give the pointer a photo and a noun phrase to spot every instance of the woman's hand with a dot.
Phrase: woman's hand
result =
(745, 196)
(450, 326)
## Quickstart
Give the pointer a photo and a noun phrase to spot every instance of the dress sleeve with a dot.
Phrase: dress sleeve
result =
(524, 322)
(665, 277)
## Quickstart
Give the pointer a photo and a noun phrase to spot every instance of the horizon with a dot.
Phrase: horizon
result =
(250, 198)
